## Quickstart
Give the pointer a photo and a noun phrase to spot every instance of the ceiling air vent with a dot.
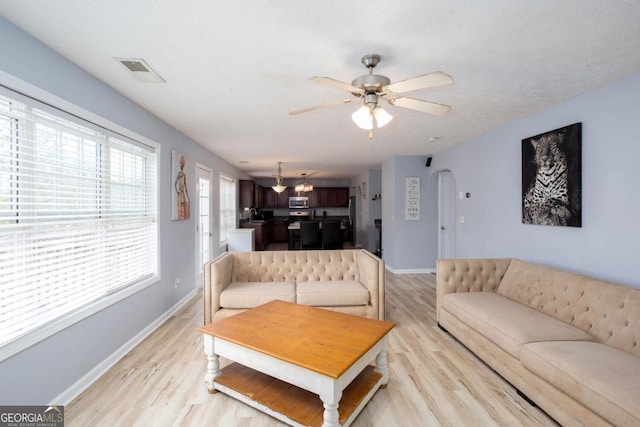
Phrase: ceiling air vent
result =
(140, 70)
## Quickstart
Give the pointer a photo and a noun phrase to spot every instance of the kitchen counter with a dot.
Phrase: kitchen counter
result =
(241, 240)
(296, 224)
(267, 231)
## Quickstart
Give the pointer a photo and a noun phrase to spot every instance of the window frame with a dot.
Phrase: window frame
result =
(24, 92)
(221, 210)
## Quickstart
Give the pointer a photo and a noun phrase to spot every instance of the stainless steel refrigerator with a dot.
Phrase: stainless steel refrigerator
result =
(352, 219)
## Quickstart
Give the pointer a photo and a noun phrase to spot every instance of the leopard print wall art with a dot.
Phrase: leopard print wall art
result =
(552, 177)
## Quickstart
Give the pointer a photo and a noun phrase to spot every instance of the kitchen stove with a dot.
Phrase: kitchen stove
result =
(299, 215)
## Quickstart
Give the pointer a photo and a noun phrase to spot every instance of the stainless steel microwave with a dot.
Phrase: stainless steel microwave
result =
(298, 202)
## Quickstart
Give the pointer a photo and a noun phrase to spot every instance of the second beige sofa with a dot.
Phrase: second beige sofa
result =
(570, 343)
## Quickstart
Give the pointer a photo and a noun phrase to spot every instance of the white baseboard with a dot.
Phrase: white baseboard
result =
(83, 383)
(410, 270)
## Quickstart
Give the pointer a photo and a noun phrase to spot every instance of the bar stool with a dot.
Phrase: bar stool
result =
(309, 235)
(331, 235)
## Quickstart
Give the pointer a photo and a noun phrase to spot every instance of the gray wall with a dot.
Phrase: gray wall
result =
(489, 167)
(408, 246)
(43, 371)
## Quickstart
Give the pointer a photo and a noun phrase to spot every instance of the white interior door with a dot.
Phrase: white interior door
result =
(446, 215)
(205, 220)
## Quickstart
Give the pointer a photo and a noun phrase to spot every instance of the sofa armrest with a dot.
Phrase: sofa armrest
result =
(468, 275)
(217, 276)
(371, 271)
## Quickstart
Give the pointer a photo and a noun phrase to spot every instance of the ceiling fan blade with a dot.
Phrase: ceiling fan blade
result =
(328, 81)
(420, 105)
(321, 106)
(434, 79)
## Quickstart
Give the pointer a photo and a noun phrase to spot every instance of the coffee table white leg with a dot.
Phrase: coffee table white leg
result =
(381, 362)
(213, 363)
(330, 401)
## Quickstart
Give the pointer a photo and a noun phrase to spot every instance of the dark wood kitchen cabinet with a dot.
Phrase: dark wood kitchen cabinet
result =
(342, 197)
(332, 197)
(272, 200)
(316, 196)
(246, 198)
(269, 198)
(283, 198)
(258, 196)
(329, 197)
(270, 231)
(262, 234)
(320, 197)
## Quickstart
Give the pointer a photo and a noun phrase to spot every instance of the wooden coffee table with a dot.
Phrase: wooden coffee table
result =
(288, 354)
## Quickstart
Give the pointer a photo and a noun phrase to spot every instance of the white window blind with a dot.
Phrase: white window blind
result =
(78, 214)
(227, 206)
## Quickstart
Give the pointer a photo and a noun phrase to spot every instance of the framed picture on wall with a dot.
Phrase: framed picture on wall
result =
(180, 203)
(552, 177)
(412, 198)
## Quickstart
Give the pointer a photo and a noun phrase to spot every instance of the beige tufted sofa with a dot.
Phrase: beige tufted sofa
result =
(349, 281)
(568, 342)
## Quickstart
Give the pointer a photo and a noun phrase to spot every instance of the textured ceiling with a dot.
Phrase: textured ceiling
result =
(234, 69)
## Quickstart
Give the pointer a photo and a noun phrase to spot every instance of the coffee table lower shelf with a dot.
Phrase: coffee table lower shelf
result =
(291, 404)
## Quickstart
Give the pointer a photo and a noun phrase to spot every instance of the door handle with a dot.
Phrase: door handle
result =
(442, 227)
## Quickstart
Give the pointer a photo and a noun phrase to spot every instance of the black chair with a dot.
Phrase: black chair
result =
(331, 235)
(309, 235)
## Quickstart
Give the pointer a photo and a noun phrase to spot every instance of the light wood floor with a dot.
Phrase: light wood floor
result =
(434, 380)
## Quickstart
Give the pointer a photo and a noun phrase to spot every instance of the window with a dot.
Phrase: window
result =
(227, 207)
(78, 219)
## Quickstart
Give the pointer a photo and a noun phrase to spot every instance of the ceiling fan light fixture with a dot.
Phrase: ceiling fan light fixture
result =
(382, 116)
(363, 118)
(373, 88)
(279, 188)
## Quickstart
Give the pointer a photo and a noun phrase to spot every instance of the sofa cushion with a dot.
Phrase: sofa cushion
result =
(601, 377)
(253, 294)
(507, 323)
(332, 294)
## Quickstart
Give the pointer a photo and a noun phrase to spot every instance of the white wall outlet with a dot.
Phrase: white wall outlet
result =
(176, 282)
(461, 219)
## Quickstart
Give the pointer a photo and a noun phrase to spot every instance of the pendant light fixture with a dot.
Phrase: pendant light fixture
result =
(279, 188)
(304, 186)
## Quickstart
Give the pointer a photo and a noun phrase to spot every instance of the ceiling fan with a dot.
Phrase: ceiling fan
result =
(373, 88)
